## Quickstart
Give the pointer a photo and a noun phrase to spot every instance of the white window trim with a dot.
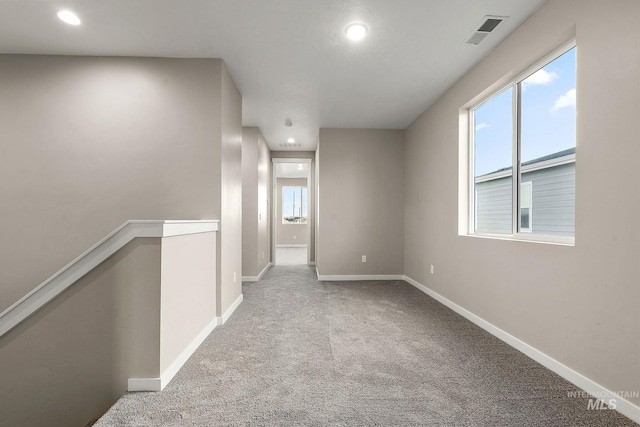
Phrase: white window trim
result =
(515, 174)
(475, 209)
(524, 237)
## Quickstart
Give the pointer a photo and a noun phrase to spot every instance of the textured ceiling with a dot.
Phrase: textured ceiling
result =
(289, 58)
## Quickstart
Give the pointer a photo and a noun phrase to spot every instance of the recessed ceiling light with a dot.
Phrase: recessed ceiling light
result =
(300, 167)
(69, 17)
(356, 31)
(291, 140)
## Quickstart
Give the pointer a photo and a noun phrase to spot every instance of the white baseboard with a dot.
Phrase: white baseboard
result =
(355, 277)
(227, 314)
(259, 276)
(158, 384)
(264, 270)
(623, 406)
(173, 369)
(291, 246)
(144, 384)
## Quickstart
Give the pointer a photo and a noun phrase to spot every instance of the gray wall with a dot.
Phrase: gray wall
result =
(290, 234)
(188, 293)
(229, 250)
(256, 217)
(315, 224)
(89, 142)
(69, 362)
(361, 195)
(578, 305)
(264, 203)
(249, 201)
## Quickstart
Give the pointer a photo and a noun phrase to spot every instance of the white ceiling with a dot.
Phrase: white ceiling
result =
(291, 170)
(289, 58)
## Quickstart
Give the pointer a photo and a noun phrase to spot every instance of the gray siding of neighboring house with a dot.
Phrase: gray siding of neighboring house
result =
(552, 208)
(493, 206)
(554, 199)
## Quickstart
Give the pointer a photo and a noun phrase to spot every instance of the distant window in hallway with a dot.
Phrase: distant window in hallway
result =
(294, 205)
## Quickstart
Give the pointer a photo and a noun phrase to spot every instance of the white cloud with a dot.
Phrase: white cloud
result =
(541, 77)
(566, 100)
(481, 126)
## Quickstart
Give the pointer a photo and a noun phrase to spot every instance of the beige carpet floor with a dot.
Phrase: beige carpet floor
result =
(291, 255)
(298, 352)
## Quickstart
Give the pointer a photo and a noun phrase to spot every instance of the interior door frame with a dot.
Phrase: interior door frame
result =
(276, 200)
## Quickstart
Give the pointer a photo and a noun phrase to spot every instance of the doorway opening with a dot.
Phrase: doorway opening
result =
(291, 214)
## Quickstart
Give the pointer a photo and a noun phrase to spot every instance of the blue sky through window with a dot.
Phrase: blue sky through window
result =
(548, 114)
(294, 202)
(493, 133)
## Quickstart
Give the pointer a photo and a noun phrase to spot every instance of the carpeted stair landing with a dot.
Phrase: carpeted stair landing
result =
(302, 352)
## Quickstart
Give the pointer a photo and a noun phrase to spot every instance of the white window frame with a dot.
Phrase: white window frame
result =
(530, 228)
(514, 84)
(475, 207)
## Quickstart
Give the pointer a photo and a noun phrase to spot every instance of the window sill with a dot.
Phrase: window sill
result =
(544, 239)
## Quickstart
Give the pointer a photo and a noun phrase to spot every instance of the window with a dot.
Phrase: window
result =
(525, 207)
(522, 147)
(294, 205)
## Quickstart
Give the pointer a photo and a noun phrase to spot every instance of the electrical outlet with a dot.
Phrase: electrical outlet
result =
(262, 254)
(234, 277)
(260, 216)
(364, 258)
(431, 268)
(294, 237)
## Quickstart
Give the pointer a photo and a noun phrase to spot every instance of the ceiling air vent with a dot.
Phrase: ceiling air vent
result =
(489, 23)
(290, 145)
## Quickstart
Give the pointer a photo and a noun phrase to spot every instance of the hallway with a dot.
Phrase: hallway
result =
(302, 352)
(291, 255)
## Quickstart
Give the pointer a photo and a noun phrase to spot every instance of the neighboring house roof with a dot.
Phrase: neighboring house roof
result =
(563, 153)
(554, 159)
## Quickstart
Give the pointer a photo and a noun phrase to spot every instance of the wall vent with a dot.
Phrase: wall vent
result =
(488, 24)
